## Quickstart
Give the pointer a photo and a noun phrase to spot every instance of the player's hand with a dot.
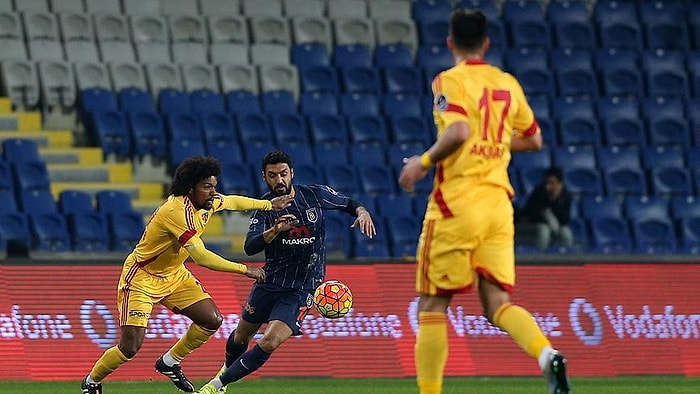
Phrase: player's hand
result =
(285, 223)
(281, 202)
(256, 273)
(365, 223)
(411, 173)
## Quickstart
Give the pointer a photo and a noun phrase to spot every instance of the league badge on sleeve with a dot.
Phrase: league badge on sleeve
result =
(441, 102)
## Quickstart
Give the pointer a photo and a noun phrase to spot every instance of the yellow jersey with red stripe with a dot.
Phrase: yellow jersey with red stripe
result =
(493, 103)
(175, 224)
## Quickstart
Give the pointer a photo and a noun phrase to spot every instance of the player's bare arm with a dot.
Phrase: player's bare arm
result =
(417, 167)
(282, 224)
(364, 222)
(526, 143)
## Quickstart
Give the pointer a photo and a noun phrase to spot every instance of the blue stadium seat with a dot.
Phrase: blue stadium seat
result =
(14, 230)
(218, 126)
(37, 201)
(624, 181)
(16, 150)
(622, 81)
(614, 157)
(31, 176)
(342, 178)
(396, 152)
(572, 106)
(135, 100)
(615, 106)
(613, 57)
(88, 232)
(577, 82)
(410, 130)
(6, 177)
(646, 207)
(610, 235)
(530, 33)
(583, 181)
(242, 102)
(495, 57)
(147, 133)
(620, 34)
(535, 159)
(376, 247)
(660, 34)
(74, 201)
(278, 102)
(308, 174)
(671, 10)
(361, 80)
(96, 99)
(331, 153)
(567, 11)
(571, 25)
(403, 79)
(671, 181)
(227, 151)
(690, 235)
(392, 55)
(352, 55)
(254, 128)
(433, 32)
(255, 151)
(395, 204)
(377, 180)
(337, 233)
(600, 206)
(519, 59)
(536, 82)
(237, 179)
(624, 130)
(668, 131)
(364, 154)
(488, 7)
(367, 129)
(522, 10)
(113, 201)
(183, 127)
(654, 236)
(111, 131)
(181, 149)
(498, 34)
(431, 10)
(404, 232)
(401, 104)
(8, 203)
(328, 129)
(564, 59)
(540, 106)
(205, 101)
(359, 104)
(578, 130)
(673, 83)
(530, 178)
(685, 206)
(290, 128)
(174, 101)
(434, 56)
(301, 152)
(310, 55)
(662, 156)
(663, 106)
(318, 103)
(49, 232)
(323, 79)
(568, 157)
(125, 230)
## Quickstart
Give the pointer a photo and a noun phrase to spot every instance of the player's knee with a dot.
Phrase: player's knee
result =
(269, 344)
(213, 322)
(129, 350)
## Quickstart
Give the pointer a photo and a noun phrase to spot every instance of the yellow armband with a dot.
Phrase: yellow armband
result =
(425, 161)
(208, 259)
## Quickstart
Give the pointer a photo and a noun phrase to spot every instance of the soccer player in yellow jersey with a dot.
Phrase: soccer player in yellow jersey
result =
(467, 239)
(155, 272)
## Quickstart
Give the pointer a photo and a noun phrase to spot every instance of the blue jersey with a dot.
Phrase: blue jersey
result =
(297, 258)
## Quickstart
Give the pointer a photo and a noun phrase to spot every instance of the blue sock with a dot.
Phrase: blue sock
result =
(249, 362)
(234, 350)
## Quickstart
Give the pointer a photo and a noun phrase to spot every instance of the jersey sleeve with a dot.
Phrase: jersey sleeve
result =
(524, 122)
(180, 223)
(449, 100)
(329, 198)
(256, 223)
(240, 203)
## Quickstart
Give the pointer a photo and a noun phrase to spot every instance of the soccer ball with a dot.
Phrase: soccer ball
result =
(333, 299)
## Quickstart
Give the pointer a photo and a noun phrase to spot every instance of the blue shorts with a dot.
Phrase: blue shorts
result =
(288, 305)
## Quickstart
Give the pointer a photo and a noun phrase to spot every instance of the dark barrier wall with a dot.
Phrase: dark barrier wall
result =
(610, 319)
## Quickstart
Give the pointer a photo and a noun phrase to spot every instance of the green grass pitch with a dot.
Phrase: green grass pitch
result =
(490, 385)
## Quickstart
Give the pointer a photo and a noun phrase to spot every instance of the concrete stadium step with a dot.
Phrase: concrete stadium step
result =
(20, 121)
(82, 155)
(137, 191)
(43, 139)
(106, 172)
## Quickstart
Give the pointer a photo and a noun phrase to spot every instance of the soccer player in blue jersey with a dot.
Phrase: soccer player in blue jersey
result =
(295, 264)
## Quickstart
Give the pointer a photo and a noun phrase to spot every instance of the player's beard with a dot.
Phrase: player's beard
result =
(281, 189)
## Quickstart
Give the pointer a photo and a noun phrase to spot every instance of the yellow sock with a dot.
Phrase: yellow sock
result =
(111, 359)
(521, 326)
(431, 351)
(195, 337)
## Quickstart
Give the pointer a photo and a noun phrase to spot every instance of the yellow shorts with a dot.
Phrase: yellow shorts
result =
(453, 252)
(138, 294)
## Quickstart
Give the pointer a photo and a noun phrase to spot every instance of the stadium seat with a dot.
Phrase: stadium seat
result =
(174, 101)
(600, 207)
(312, 29)
(58, 85)
(353, 30)
(401, 104)
(620, 34)
(396, 152)
(30, 176)
(242, 102)
(218, 126)
(403, 79)
(331, 153)
(17, 150)
(614, 157)
(583, 181)
(663, 156)
(14, 230)
(654, 236)
(526, 58)
(536, 159)
(368, 129)
(574, 157)
(237, 178)
(573, 34)
(226, 150)
(685, 206)
(673, 83)
(179, 150)
(311, 54)
(135, 100)
(323, 79)
(147, 134)
(530, 178)
(289, 129)
(74, 201)
(8, 203)
(183, 127)
(530, 33)
(536, 82)
(318, 103)
(410, 129)
(624, 130)
(328, 129)
(162, 76)
(433, 32)
(377, 180)
(278, 102)
(624, 181)
(360, 80)
(125, 230)
(308, 174)
(690, 235)
(671, 181)
(404, 232)
(615, 106)
(646, 207)
(660, 34)
(88, 232)
(352, 55)
(367, 154)
(396, 204)
(610, 236)
(49, 232)
(393, 55)
(113, 201)
(352, 104)
(668, 131)
(366, 248)
(205, 101)
(396, 31)
(37, 201)
(430, 10)
(579, 131)
(342, 178)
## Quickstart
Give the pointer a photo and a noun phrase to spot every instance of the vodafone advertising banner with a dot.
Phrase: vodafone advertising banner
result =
(609, 319)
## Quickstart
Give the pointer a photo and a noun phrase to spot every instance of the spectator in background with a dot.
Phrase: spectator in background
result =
(547, 211)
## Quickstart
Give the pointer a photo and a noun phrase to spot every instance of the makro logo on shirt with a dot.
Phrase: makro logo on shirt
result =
(300, 235)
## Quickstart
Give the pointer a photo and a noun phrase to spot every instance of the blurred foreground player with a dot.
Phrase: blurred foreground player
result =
(155, 272)
(468, 236)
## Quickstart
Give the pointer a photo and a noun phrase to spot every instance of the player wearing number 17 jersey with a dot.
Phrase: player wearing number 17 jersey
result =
(467, 237)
